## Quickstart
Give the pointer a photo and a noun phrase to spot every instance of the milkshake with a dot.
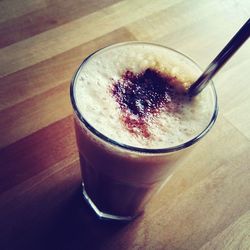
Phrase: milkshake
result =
(134, 123)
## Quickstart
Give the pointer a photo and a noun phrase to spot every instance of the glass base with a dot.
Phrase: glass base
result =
(102, 215)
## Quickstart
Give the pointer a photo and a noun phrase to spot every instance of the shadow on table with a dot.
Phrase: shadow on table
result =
(75, 226)
(70, 224)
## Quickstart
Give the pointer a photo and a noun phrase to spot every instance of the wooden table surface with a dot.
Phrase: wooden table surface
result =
(206, 204)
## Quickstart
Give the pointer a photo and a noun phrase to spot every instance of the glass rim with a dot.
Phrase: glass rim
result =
(134, 148)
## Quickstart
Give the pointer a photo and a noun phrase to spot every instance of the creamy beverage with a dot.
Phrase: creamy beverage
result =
(133, 121)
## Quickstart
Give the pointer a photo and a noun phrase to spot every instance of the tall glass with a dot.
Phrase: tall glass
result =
(117, 179)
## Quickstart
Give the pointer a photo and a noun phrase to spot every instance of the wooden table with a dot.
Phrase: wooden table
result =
(206, 204)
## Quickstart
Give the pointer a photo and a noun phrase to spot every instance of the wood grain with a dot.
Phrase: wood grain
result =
(42, 94)
(205, 204)
(10, 9)
(46, 18)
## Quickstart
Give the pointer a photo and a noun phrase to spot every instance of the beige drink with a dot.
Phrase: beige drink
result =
(132, 126)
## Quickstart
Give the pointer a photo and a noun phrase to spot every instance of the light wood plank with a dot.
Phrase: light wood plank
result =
(48, 74)
(56, 13)
(11, 8)
(41, 47)
(239, 231)
(208, 38)
(46, 147)
(34, 113)
(234, 94)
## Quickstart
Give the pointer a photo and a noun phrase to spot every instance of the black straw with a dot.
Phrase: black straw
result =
(241, 36)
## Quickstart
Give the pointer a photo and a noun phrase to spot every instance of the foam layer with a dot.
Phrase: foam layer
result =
(100, 108)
